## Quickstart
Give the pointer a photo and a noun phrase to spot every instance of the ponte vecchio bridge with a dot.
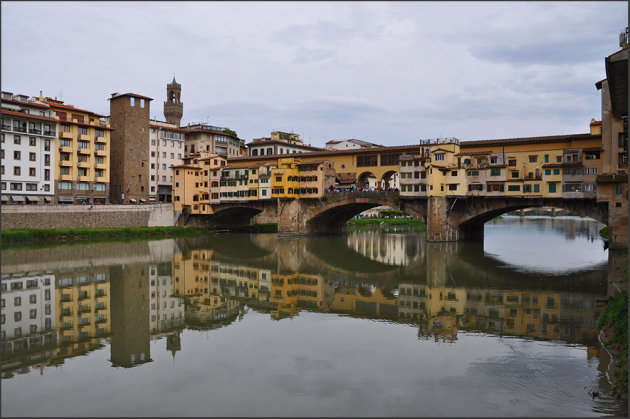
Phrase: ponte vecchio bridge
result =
(455, 187)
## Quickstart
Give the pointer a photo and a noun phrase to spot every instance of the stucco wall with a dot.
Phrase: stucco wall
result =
(86, 216)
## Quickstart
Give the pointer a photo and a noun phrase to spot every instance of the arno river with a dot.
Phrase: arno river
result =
(366, 324)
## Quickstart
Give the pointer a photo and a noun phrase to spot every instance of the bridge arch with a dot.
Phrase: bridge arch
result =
(332, 217)
(389, 180)
(470, 215)
(366, 180)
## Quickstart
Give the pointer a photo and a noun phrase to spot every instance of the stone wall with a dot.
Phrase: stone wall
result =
(86, 216)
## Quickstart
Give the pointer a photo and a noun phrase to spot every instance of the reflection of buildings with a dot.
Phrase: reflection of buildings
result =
(540, 314)
(362, 300)
(391, 249)
(130, 344)
(167, 311)
(28, 321)
(296, 291)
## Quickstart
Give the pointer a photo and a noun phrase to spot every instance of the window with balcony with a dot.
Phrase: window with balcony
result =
(83, 145)
(99, 133)
(83, 158)
(82, 131)
(64, 186)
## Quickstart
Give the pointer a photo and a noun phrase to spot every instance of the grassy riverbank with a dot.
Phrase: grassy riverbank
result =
(613, 320)
(371, 223)
(52, 236)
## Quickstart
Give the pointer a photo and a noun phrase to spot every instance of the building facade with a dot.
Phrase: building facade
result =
(278, 144)
(203, 138)
(28, 150)
(349, 144)
(167, 150)
(130, 151)
(82, 172)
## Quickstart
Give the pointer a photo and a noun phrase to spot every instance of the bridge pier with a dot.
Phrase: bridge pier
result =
(441, 227)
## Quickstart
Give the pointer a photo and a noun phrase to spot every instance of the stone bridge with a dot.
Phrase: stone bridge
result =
(447, 218)
(326, 215)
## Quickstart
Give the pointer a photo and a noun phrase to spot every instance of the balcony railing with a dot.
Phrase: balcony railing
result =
(19, 129)
(6, 127)
(35, 131)
(50, 133)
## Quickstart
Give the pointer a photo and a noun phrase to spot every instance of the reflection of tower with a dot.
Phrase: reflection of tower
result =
(173, 107)
(129, 288)
(174, 343)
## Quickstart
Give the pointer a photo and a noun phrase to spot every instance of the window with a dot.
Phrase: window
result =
(546, 158)
(17, 301)
(142, 103)
(515, 174)
(618, 189)
(454, 173)
(16, 186)
(556, 171)
(514, 188)
(82, 131)
(65, 185)
(367, 161)
(16, 139)
(32, 156)
(32, 141)
(17, 316)
(46, 159)
(533, 159)
(132, 101)
(552, 188)
(31, 186)
(46, 174)
(16, 170)
(16, 155)
(558, 159)
(512, 162)
(439, 156)
(547, 172)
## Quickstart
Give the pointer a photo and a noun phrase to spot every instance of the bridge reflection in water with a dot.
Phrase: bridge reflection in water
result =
(130, 294)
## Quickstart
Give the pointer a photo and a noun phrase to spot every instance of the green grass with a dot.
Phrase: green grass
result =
(29, 237)
(370, 223)
(615, 315)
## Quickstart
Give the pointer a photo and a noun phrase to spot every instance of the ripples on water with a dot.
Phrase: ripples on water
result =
(369, 324)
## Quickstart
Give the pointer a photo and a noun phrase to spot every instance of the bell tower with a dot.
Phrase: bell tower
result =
(173, 107)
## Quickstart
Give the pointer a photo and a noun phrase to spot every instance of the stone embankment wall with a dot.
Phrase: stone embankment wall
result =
(86, 216)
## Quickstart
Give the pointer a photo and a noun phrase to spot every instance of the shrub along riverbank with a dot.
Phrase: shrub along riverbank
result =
(46, 237)
(613, 320)
(357, 223)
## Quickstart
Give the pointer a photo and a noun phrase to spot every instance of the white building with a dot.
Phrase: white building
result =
(279, 143)
(28, 311)
(166, 312)
(167, 150)
(27, 158)
(349, 144)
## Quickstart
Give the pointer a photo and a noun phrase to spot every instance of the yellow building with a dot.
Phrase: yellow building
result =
(82, 301)
(83, 155)
(196, 183)
(294, 179)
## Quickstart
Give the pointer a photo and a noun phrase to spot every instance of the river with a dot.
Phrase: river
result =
(370, 323)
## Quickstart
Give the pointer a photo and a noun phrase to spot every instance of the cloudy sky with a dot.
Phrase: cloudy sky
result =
(387, 72)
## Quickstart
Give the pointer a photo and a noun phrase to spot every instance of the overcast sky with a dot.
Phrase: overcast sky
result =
(390, 73)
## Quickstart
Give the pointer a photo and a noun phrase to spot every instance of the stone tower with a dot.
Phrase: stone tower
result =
(173, 107)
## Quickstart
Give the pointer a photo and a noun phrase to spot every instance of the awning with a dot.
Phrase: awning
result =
(66, 199)
(17, 198)
(47, 199)
(33, 198)
(5, 198)
(133, 201)
(142, 201)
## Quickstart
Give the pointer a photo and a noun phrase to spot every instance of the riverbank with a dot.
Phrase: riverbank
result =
(56, 236)
(613, 322)
(371, 223)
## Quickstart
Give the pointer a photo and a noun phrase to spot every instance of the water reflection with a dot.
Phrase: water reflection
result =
(158, 291)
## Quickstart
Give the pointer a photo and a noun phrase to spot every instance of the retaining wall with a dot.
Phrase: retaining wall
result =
(86, 216)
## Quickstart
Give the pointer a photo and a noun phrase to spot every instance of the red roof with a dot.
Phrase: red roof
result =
(71, 108)
(37, 105)
(28, 115)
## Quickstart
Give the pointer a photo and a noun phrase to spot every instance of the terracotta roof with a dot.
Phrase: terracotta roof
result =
(28, 115)
(283, 143)
(37, 105)
(72, 108)
(117, 95)
(529, 140)
(474, 153)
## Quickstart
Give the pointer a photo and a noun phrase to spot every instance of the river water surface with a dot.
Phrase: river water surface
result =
(366, 324)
